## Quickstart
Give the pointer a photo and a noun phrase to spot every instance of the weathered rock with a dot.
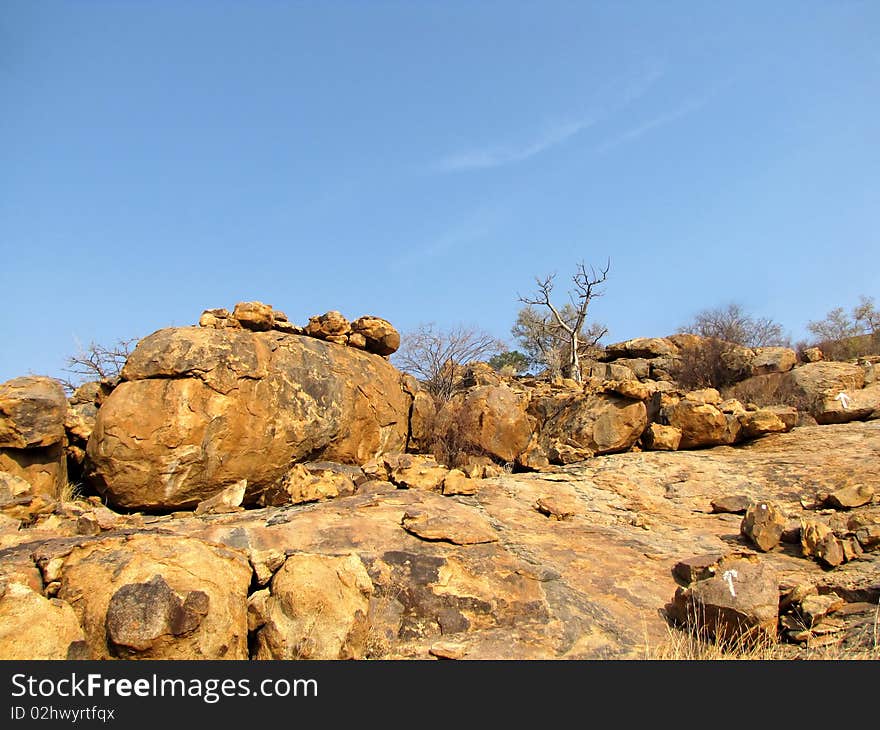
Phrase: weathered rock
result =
(93, 575)
(658, 437)
(142, 616)
(818, 383)
(641, 347)
(761, 422)
(453, 523)
(215, 318)
(737, 605)
(854, 495)
(32, 412)
(698, 567)
(254, 316)
(448, 650)
(378, 334)
(869, 537)
(491, 419)
(819, 541)
(12, 488)
(457, 482)
(418, 472)
(228, 500)
(814, 607)
(737, 359)
(32, 436)
(813, 354)
(773, 360)
(422, 421)
(629, 389)
(301, 484)
(589, 424)
(557, 507)
(787, 414)
(763, 524)
(203, 408)
(736, 504)
(35, 627)
(708, 396)
(849, 405)
(702, 424)
(317, 609)
(330, 324)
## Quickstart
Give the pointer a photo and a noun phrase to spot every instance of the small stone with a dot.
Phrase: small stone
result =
(557, 507)
(736, 504)
(696, 568)
(851, 496)
(457, 482)
(763, 524)
(448, 650)
(814, 607)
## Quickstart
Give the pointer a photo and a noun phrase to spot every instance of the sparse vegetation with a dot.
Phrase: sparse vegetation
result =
(844, 335)
(435, 356)
(97, 362)
(559, 338)
(732, 323)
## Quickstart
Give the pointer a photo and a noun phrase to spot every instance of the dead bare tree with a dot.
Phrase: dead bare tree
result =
(97, 362)
(435, 356)
(566, 324)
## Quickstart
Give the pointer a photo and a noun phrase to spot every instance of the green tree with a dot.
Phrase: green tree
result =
(512, 359)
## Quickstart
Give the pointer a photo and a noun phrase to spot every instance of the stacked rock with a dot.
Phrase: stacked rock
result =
(373, 334)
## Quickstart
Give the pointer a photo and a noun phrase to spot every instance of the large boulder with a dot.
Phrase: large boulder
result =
(591, 423)
(773, 360)
(641, 347)
(159, 597)
(737, 605)
(317, 609)
(32, 437)
(490, 419)
(818, 384)
(200, 409)
(379, 335)
(849, 405)
(702, 424)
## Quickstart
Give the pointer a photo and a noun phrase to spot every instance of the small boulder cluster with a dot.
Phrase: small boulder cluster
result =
(368, 333)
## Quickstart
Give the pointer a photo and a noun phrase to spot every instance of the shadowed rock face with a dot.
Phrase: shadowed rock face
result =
(202, 408)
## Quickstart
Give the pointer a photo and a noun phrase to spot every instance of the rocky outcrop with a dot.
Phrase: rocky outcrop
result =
(157, 597)
(569, 563)
(202, 408)
(32, 436)
(369, 333)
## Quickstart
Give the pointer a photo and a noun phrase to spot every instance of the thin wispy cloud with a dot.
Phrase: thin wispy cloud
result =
(623, 91)
(473, 228)
(488, 157)
(642, 129)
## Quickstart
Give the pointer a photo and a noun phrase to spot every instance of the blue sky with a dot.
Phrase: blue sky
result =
(424, 161)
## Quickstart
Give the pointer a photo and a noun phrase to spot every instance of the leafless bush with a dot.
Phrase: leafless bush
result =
(705, 365)
(97, 362)
(435, 356)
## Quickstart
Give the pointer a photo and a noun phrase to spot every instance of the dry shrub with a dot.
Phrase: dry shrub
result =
(705, 365)
(448, 433)
(773, 389)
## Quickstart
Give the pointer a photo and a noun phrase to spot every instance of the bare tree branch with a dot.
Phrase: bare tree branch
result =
(435, 356)
(566, 327)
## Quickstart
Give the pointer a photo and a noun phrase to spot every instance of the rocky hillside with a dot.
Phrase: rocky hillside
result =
(264, 490)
